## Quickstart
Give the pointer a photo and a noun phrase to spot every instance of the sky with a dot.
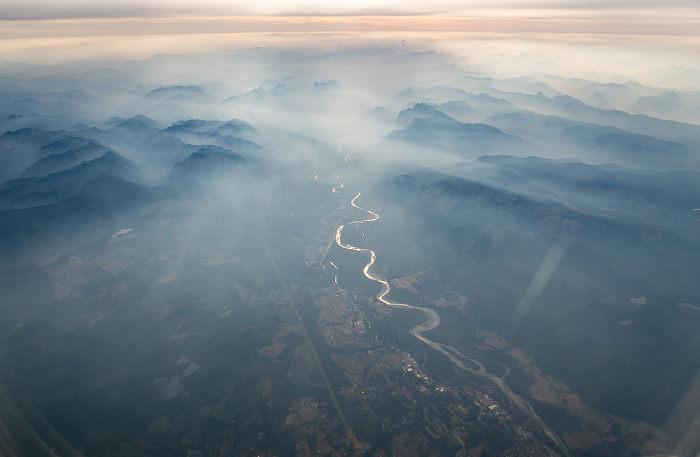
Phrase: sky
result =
(51, 9)
(50, 31)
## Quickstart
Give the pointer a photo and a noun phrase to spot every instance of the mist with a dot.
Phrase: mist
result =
(376, 248)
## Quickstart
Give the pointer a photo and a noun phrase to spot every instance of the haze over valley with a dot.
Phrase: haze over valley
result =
(376, 248)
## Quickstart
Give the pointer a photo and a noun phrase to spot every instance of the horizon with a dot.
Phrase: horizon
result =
(587, 48)
(645, 43)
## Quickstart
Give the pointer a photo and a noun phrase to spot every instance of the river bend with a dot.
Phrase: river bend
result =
(433, 320)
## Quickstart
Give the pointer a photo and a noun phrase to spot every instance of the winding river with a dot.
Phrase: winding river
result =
(433, 320)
